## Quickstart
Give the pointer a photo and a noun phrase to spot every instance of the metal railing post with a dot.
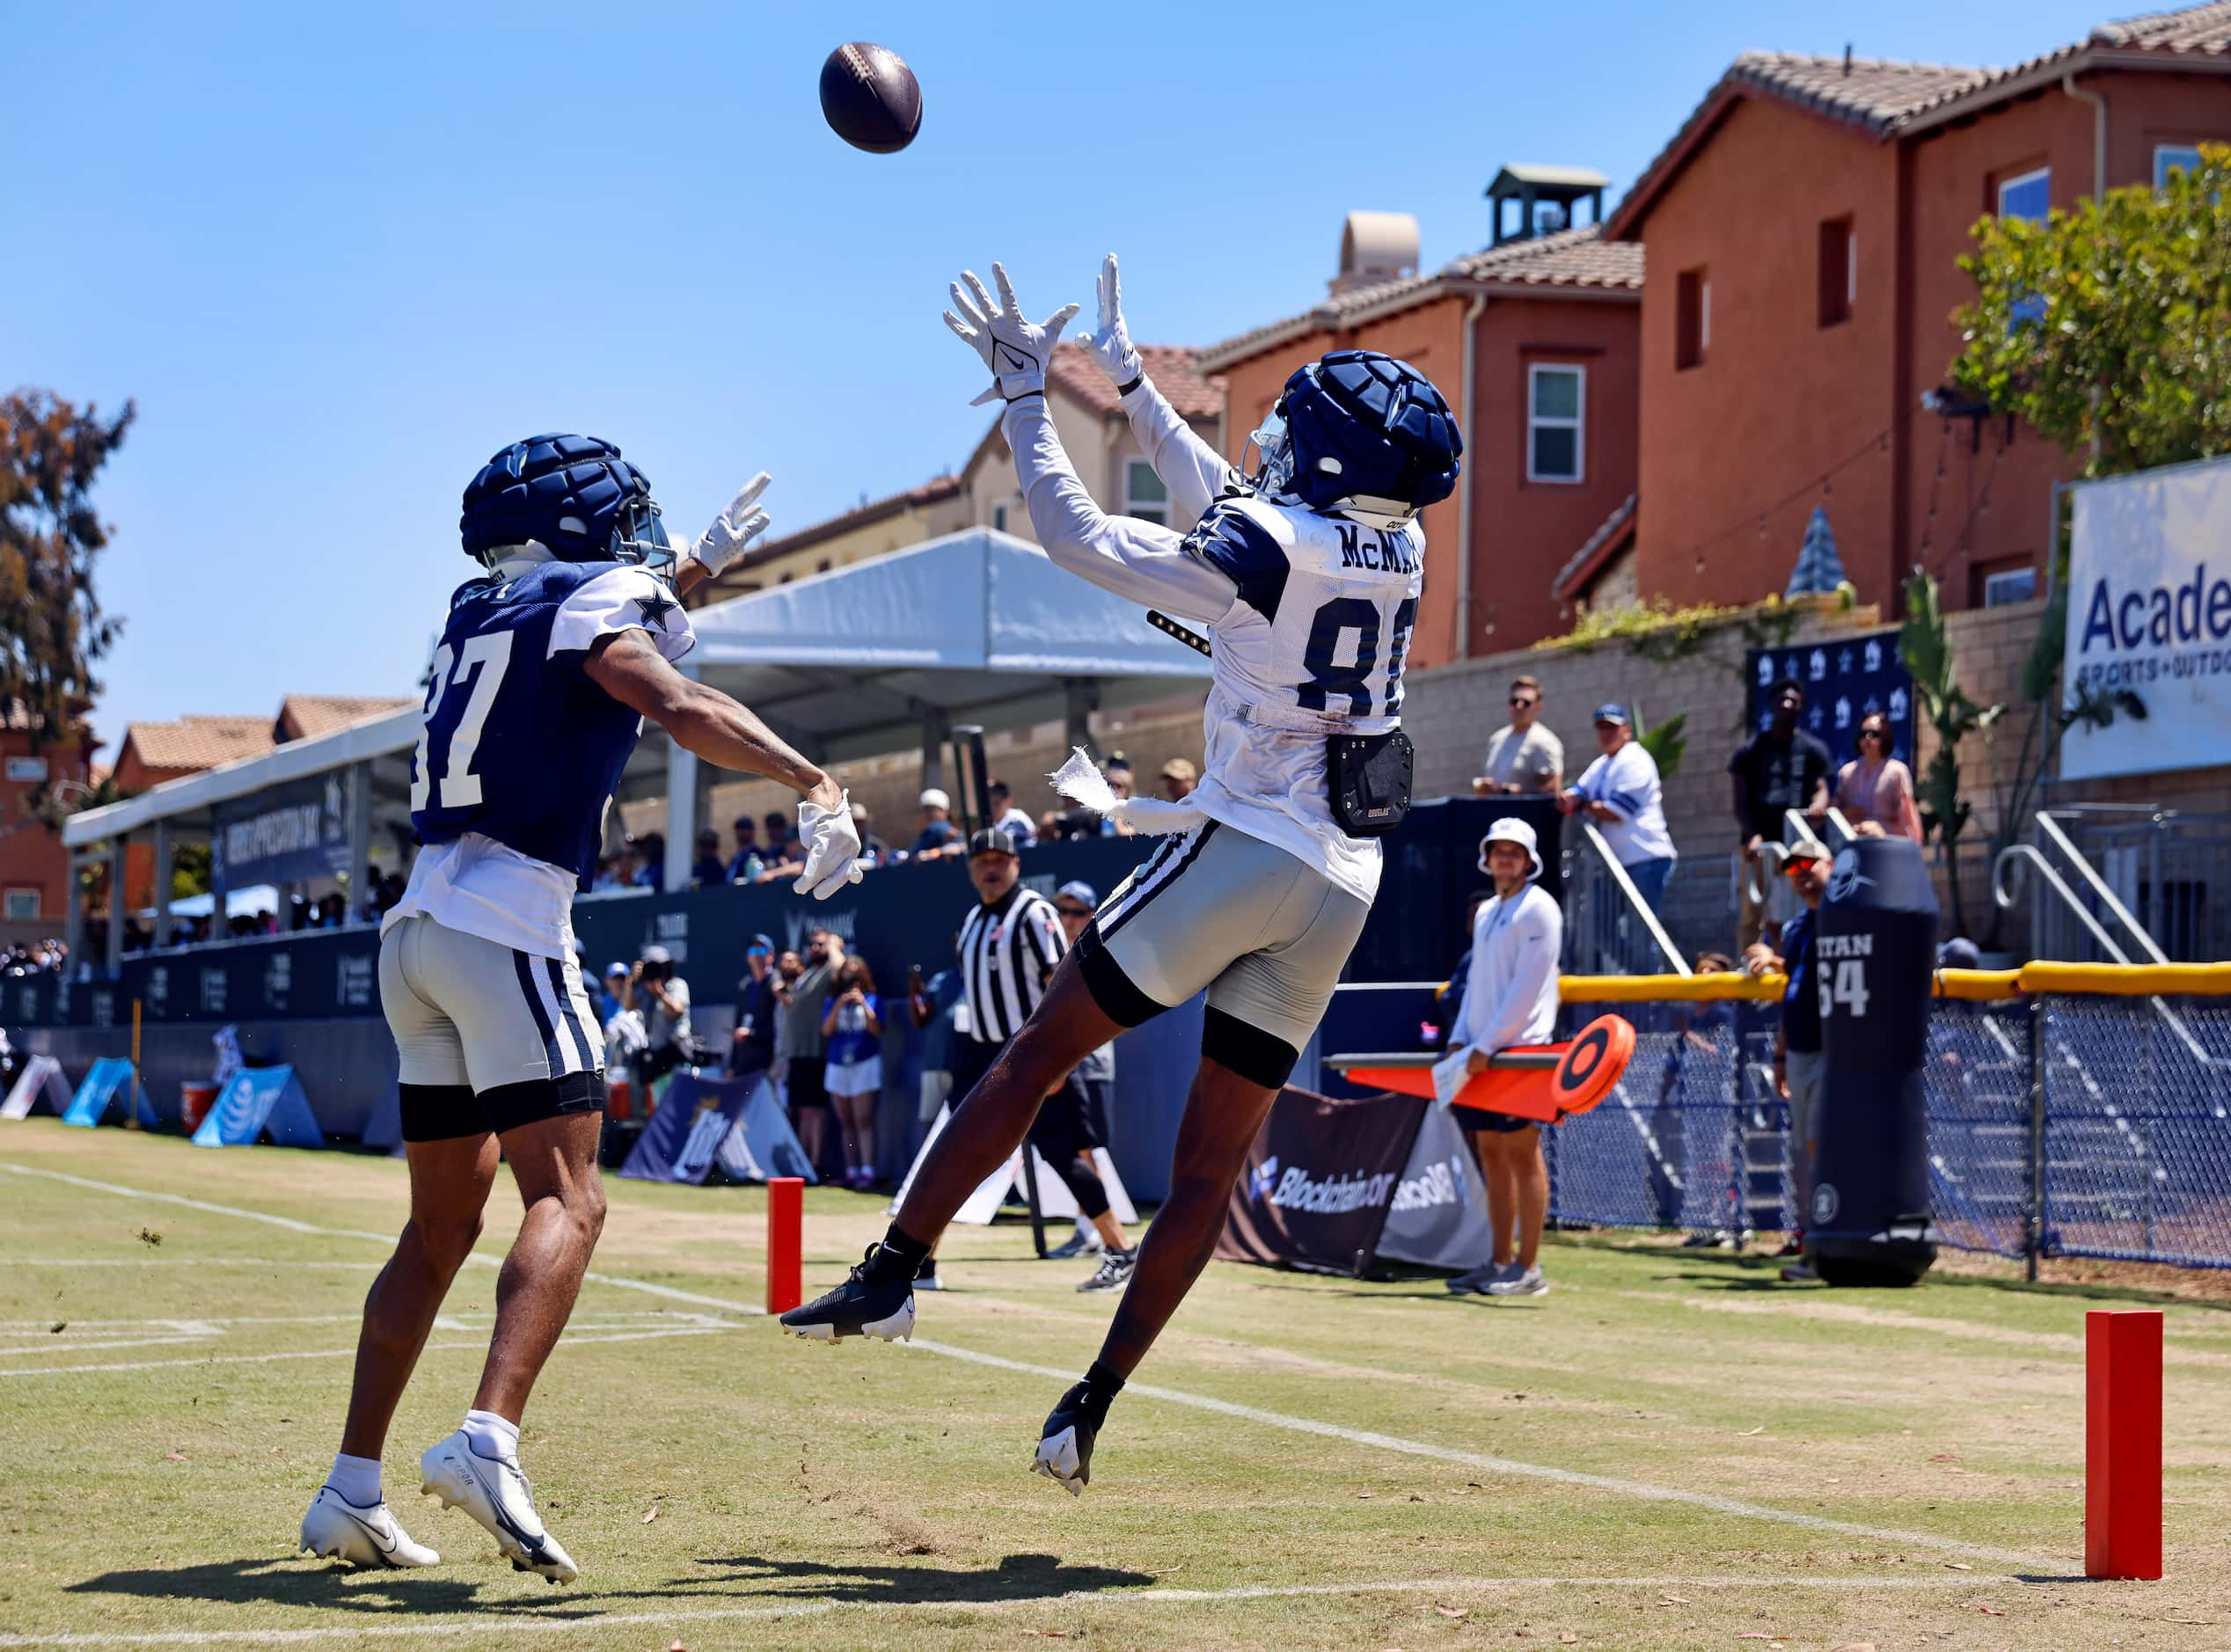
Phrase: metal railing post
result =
(2033, 1237)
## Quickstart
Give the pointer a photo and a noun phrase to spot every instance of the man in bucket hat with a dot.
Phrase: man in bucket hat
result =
(1509, 997)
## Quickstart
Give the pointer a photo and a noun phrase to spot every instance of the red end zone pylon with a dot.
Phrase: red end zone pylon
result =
(786, 1222)
(2123, 1443)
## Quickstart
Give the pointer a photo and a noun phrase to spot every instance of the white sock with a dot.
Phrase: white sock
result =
(492, 1435)
(356, 1479)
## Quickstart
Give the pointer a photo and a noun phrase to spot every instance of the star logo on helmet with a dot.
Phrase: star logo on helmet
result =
(655, 609)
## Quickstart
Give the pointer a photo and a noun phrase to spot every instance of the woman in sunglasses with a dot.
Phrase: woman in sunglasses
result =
(1875, 790)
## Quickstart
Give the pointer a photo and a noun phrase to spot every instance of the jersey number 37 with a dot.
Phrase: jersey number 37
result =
(459, 695)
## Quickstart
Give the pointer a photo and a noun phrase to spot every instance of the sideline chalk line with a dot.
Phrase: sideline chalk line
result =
(1642, 1490)
(495, 1622)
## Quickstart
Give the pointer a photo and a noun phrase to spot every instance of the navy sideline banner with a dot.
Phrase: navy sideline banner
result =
(1844, 679)
(894, 916)
(282, 834)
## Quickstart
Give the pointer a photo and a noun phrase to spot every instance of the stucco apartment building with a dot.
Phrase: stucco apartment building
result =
(1533, 340)
(33, 861)
(1802, 229)
(984, 493)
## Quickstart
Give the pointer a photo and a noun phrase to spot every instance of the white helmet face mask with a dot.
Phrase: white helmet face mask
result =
(641, 537)
(1274, 465)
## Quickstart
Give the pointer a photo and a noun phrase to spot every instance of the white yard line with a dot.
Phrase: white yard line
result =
(1640, 1489)
(494, 1621)
(480, 1345)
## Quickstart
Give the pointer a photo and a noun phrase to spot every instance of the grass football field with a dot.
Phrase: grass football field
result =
(1670, 1449)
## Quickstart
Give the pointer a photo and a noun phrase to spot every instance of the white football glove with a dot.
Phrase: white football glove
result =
(734, 528)
(1110, 342)
(1016, 351)
(832, 848)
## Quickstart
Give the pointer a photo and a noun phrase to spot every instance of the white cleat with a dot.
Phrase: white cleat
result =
(494, 1492)
(336, 1529)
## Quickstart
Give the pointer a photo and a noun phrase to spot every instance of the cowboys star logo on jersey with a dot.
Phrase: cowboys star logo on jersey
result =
(655, 608)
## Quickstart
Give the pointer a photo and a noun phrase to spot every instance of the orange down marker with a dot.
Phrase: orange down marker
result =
(786, 1220)
(2123, 1443)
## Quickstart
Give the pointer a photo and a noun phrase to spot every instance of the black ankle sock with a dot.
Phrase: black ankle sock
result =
(897, 1257)
(1101, 1385)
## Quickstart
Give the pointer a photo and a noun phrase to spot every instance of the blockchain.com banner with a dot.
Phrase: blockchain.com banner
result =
(2149, 615)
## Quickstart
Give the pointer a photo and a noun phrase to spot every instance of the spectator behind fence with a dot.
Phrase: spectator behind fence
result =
(939, 835)
(1620, 792)
(1875, 790)
(662, 998)
(873, 852)
(1523, 755)
(608, 995)
(1008, 818)
(708, 871)
(853, 1068)
(1178, 778)
(1779, 769)
(801, 1046)
(1799, 1068)
(746, 865)
(751, 1046)
(1120, 781)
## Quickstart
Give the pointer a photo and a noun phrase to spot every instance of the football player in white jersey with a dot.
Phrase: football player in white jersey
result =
(1306, 575)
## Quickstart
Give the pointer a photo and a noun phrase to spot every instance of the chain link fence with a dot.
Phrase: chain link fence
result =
(2059, 1125)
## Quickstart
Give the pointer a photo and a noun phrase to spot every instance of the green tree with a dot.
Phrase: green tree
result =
(2110, 323)
(52, 629)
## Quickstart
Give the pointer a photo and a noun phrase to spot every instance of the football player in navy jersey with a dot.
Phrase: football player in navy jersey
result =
(1308, 575)
(548, 665)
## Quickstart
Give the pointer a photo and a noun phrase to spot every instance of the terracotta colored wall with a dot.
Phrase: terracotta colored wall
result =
(1732, 449)
(1970, 502)
(32, 855)
(1525, 532)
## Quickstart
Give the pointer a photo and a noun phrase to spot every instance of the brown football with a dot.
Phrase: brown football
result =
(870, 97)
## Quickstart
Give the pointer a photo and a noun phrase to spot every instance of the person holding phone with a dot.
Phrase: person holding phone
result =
(853, 1067)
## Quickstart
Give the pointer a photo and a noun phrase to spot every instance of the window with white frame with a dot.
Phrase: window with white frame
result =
(2009, 585)
(2168, 158)
(22, 905)
(2027, 195)
(1144, 495)
(1556, 417)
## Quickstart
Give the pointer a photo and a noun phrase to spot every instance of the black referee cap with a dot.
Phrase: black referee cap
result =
(991, 840)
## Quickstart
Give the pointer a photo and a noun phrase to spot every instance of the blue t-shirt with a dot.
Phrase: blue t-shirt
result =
(852, 1041)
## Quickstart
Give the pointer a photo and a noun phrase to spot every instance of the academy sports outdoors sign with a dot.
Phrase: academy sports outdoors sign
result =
(2149, 612)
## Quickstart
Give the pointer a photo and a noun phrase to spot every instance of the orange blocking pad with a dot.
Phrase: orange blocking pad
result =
(786, 1224)
(2123, 1443)
(1548, 1082)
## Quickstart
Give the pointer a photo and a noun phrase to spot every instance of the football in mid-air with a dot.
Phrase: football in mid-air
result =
(870, 97)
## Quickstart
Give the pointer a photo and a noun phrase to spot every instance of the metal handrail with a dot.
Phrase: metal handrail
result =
(2006, 889)
(2050, 829)
(1633, 897)
(1774, 856)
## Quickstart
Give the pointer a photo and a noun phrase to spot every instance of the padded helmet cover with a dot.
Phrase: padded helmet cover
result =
(1365, 424)
(574, 494)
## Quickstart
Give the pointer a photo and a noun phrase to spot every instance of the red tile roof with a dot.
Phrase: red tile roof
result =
(1562, 261)
(196, 741)
(302, 716)
(1170, 366)
(1597, 551)
(1883, 99)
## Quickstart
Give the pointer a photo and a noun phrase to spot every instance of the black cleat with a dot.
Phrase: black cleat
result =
(859, 1307)
(1065, 1446)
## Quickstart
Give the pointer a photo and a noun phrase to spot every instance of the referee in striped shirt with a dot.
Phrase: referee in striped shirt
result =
(1009, 944)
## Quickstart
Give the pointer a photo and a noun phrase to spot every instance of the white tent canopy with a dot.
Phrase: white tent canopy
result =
(975, 627)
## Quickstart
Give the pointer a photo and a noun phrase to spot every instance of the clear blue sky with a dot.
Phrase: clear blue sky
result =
(341, 254)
